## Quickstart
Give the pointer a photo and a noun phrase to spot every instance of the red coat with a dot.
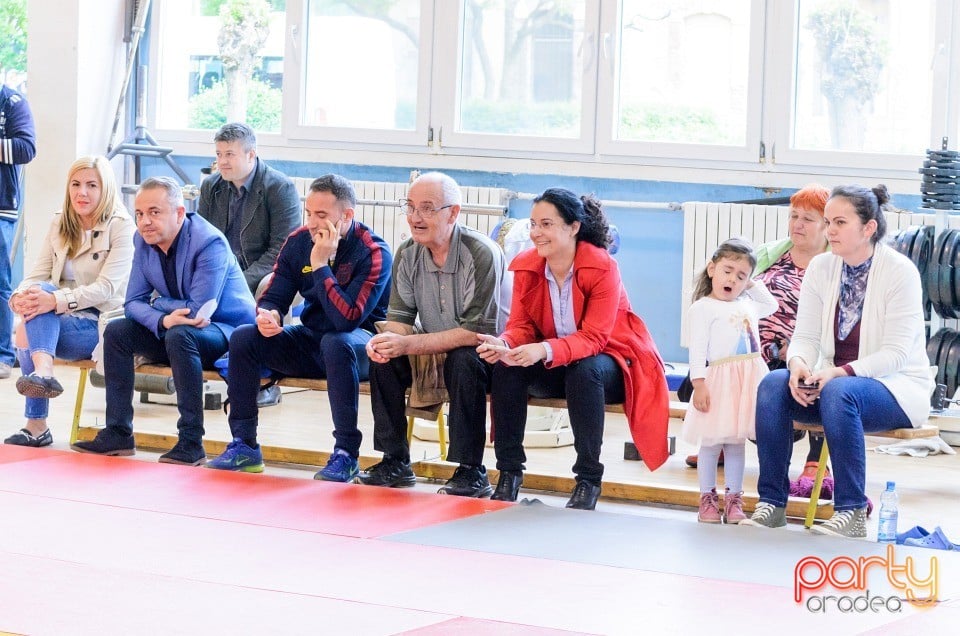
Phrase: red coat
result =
(605, 324)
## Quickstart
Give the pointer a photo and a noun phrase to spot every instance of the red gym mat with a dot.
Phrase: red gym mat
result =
(298, 504)
(10, 453)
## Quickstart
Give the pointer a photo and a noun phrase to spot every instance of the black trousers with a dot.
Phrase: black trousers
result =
(467, 378)
(587, 385)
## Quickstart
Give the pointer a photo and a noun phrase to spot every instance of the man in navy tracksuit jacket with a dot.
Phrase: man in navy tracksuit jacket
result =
(18, 145)
(342, 270)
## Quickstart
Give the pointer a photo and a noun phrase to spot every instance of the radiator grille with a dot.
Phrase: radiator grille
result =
(377, 207)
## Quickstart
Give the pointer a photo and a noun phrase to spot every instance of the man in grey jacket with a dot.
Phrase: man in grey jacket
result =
(255, 206)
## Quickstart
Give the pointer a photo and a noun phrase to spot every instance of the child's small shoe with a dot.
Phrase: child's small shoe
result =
(733, 507)
(709, 507)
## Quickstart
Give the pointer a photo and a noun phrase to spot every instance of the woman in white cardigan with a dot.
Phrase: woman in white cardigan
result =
(857, 362)
(82, 271)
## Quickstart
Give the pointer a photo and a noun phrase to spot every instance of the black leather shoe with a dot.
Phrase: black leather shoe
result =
(109, 441)
(508, 486)
(23, 437)
(185, 454)
(392, 473)
(468, 481)
(269, 396)
(38, 386)
(584, 496)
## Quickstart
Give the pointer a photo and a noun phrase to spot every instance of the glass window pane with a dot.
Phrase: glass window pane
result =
(863, 79)
(196, 88)
(682, 71)
(362, 64)
(521, 67)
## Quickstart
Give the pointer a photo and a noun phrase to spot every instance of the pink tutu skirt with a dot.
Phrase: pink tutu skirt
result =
(733, 383)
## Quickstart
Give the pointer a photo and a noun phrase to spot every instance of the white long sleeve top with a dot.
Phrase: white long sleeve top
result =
(720, 328)
(892, 347)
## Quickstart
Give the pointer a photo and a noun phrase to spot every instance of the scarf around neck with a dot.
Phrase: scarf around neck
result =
(853, 287)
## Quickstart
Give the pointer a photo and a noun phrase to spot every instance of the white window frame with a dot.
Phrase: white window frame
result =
(779, 87)
(446, 93)
(607, 144)
(595, 152)
(295, 69)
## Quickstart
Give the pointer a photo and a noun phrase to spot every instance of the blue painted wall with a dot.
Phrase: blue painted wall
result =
(651, 240)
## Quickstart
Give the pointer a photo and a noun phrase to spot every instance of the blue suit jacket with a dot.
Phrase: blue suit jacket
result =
(206, 268)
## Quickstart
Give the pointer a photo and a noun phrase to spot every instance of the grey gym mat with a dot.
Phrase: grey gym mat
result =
(725, 552)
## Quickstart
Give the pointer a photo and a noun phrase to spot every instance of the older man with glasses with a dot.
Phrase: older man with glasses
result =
(446, 288)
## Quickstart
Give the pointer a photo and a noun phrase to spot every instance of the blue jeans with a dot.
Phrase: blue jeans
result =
(7, 231)
(62, 336)
(299, 352)
(188, 350)
(848, 407)
(588, 383)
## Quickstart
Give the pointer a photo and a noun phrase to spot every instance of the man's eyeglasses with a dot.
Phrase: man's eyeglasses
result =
(426, 210)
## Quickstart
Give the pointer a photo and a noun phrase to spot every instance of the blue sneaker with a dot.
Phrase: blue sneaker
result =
(340, 467)
(239, 457)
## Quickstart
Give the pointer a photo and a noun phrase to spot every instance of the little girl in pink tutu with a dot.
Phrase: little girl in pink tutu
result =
(725, 368)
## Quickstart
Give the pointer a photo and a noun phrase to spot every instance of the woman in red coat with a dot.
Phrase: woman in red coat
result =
(572, 334)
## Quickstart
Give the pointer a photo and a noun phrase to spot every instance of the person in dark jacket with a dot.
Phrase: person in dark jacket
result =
(342, 270)
(255, 206)
(18, 146)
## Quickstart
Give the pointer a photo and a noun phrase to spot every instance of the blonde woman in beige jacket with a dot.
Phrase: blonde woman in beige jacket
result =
(81, 272)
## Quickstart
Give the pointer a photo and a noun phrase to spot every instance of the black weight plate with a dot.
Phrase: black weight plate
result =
(944, 198)
(939, 179)
(945, 350)
(944, 274)
(952, 372)
(941, 163)
(903, 242)
(941, 206)
(943, 154)
(920, 255)
(940, 188)
(934, 344)
(947, 297)
(940, 172)
(931, 281)
(922, 247)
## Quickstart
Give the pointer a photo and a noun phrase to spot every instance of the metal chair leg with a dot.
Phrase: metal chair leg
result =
(78, 406)
(818, 482)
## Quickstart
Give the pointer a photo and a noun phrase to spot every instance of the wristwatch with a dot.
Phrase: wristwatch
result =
(71, 299)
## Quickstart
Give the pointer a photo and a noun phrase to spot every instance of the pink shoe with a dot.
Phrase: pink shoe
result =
(709, 507)
(733, 507)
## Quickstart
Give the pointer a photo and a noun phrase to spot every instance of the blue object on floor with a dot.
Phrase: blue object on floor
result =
(916, 532)
(936, 540)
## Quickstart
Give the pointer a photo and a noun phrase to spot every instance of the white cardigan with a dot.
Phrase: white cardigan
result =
(892, 347)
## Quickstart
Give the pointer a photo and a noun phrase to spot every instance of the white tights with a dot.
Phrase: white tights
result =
(733, 462)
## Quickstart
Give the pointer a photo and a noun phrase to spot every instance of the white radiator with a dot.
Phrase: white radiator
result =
(706, 225)
(377, 207)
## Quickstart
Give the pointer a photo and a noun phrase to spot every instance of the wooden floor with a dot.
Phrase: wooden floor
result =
(928, 487)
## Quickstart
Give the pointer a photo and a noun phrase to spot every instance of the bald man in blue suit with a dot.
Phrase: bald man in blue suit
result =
(185, 297)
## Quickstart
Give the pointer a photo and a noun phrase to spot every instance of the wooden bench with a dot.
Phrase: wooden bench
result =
(677, 409)
(313, 384)
(927, 430)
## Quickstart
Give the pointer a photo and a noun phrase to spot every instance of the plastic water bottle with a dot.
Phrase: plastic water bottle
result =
(887, 532)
